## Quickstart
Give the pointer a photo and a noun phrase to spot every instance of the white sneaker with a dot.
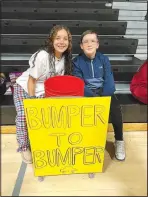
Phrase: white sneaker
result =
(119, 150)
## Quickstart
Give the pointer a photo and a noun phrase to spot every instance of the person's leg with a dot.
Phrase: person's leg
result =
(116, 119)
(21, 126)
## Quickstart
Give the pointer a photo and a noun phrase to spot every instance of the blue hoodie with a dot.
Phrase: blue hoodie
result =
(96, 73)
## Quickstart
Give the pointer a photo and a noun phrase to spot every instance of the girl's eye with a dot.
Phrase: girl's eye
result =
(58, 38)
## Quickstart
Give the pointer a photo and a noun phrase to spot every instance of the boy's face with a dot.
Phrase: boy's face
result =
(89, 45)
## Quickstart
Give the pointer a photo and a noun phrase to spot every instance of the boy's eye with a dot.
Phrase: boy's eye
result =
(89, 41)
(85, 41)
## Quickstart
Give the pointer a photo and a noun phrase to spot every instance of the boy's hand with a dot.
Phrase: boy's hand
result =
(97, 92)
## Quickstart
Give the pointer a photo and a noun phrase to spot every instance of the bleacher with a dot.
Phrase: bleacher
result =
(122, 30)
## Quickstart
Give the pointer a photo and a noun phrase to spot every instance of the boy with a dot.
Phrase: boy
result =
(95, 69)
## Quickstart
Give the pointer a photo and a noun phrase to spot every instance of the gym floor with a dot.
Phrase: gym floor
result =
(127, 178)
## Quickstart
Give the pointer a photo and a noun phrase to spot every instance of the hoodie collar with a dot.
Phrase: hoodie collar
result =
(87, 58)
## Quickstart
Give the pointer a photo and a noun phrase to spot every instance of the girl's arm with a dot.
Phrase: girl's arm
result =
(37, 68)
(31, 86)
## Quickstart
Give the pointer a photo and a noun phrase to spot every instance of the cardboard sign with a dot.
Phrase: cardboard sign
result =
(67, 135)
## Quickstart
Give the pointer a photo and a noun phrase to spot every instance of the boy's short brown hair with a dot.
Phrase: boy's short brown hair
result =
(88, 32)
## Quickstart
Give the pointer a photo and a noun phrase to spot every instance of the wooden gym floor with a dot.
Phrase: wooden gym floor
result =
(127, 178)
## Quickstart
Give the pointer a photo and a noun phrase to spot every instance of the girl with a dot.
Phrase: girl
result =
(53, 59)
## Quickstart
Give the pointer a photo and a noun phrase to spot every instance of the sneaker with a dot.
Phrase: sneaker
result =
(119, 150)
(27, 156)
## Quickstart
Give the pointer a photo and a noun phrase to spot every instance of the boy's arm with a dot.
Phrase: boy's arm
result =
(78, 73)
(109, 84)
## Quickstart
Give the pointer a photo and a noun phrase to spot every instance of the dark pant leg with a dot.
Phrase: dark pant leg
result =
(116, 118)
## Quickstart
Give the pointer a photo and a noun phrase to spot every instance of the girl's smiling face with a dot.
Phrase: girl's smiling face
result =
(60, 42)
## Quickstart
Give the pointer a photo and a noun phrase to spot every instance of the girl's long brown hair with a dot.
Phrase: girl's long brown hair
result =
(50, 49)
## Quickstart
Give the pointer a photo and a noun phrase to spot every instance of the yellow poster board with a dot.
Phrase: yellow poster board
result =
(67, 135)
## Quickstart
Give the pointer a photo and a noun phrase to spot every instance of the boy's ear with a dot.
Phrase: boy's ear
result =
(98, 45)
(81, 46)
